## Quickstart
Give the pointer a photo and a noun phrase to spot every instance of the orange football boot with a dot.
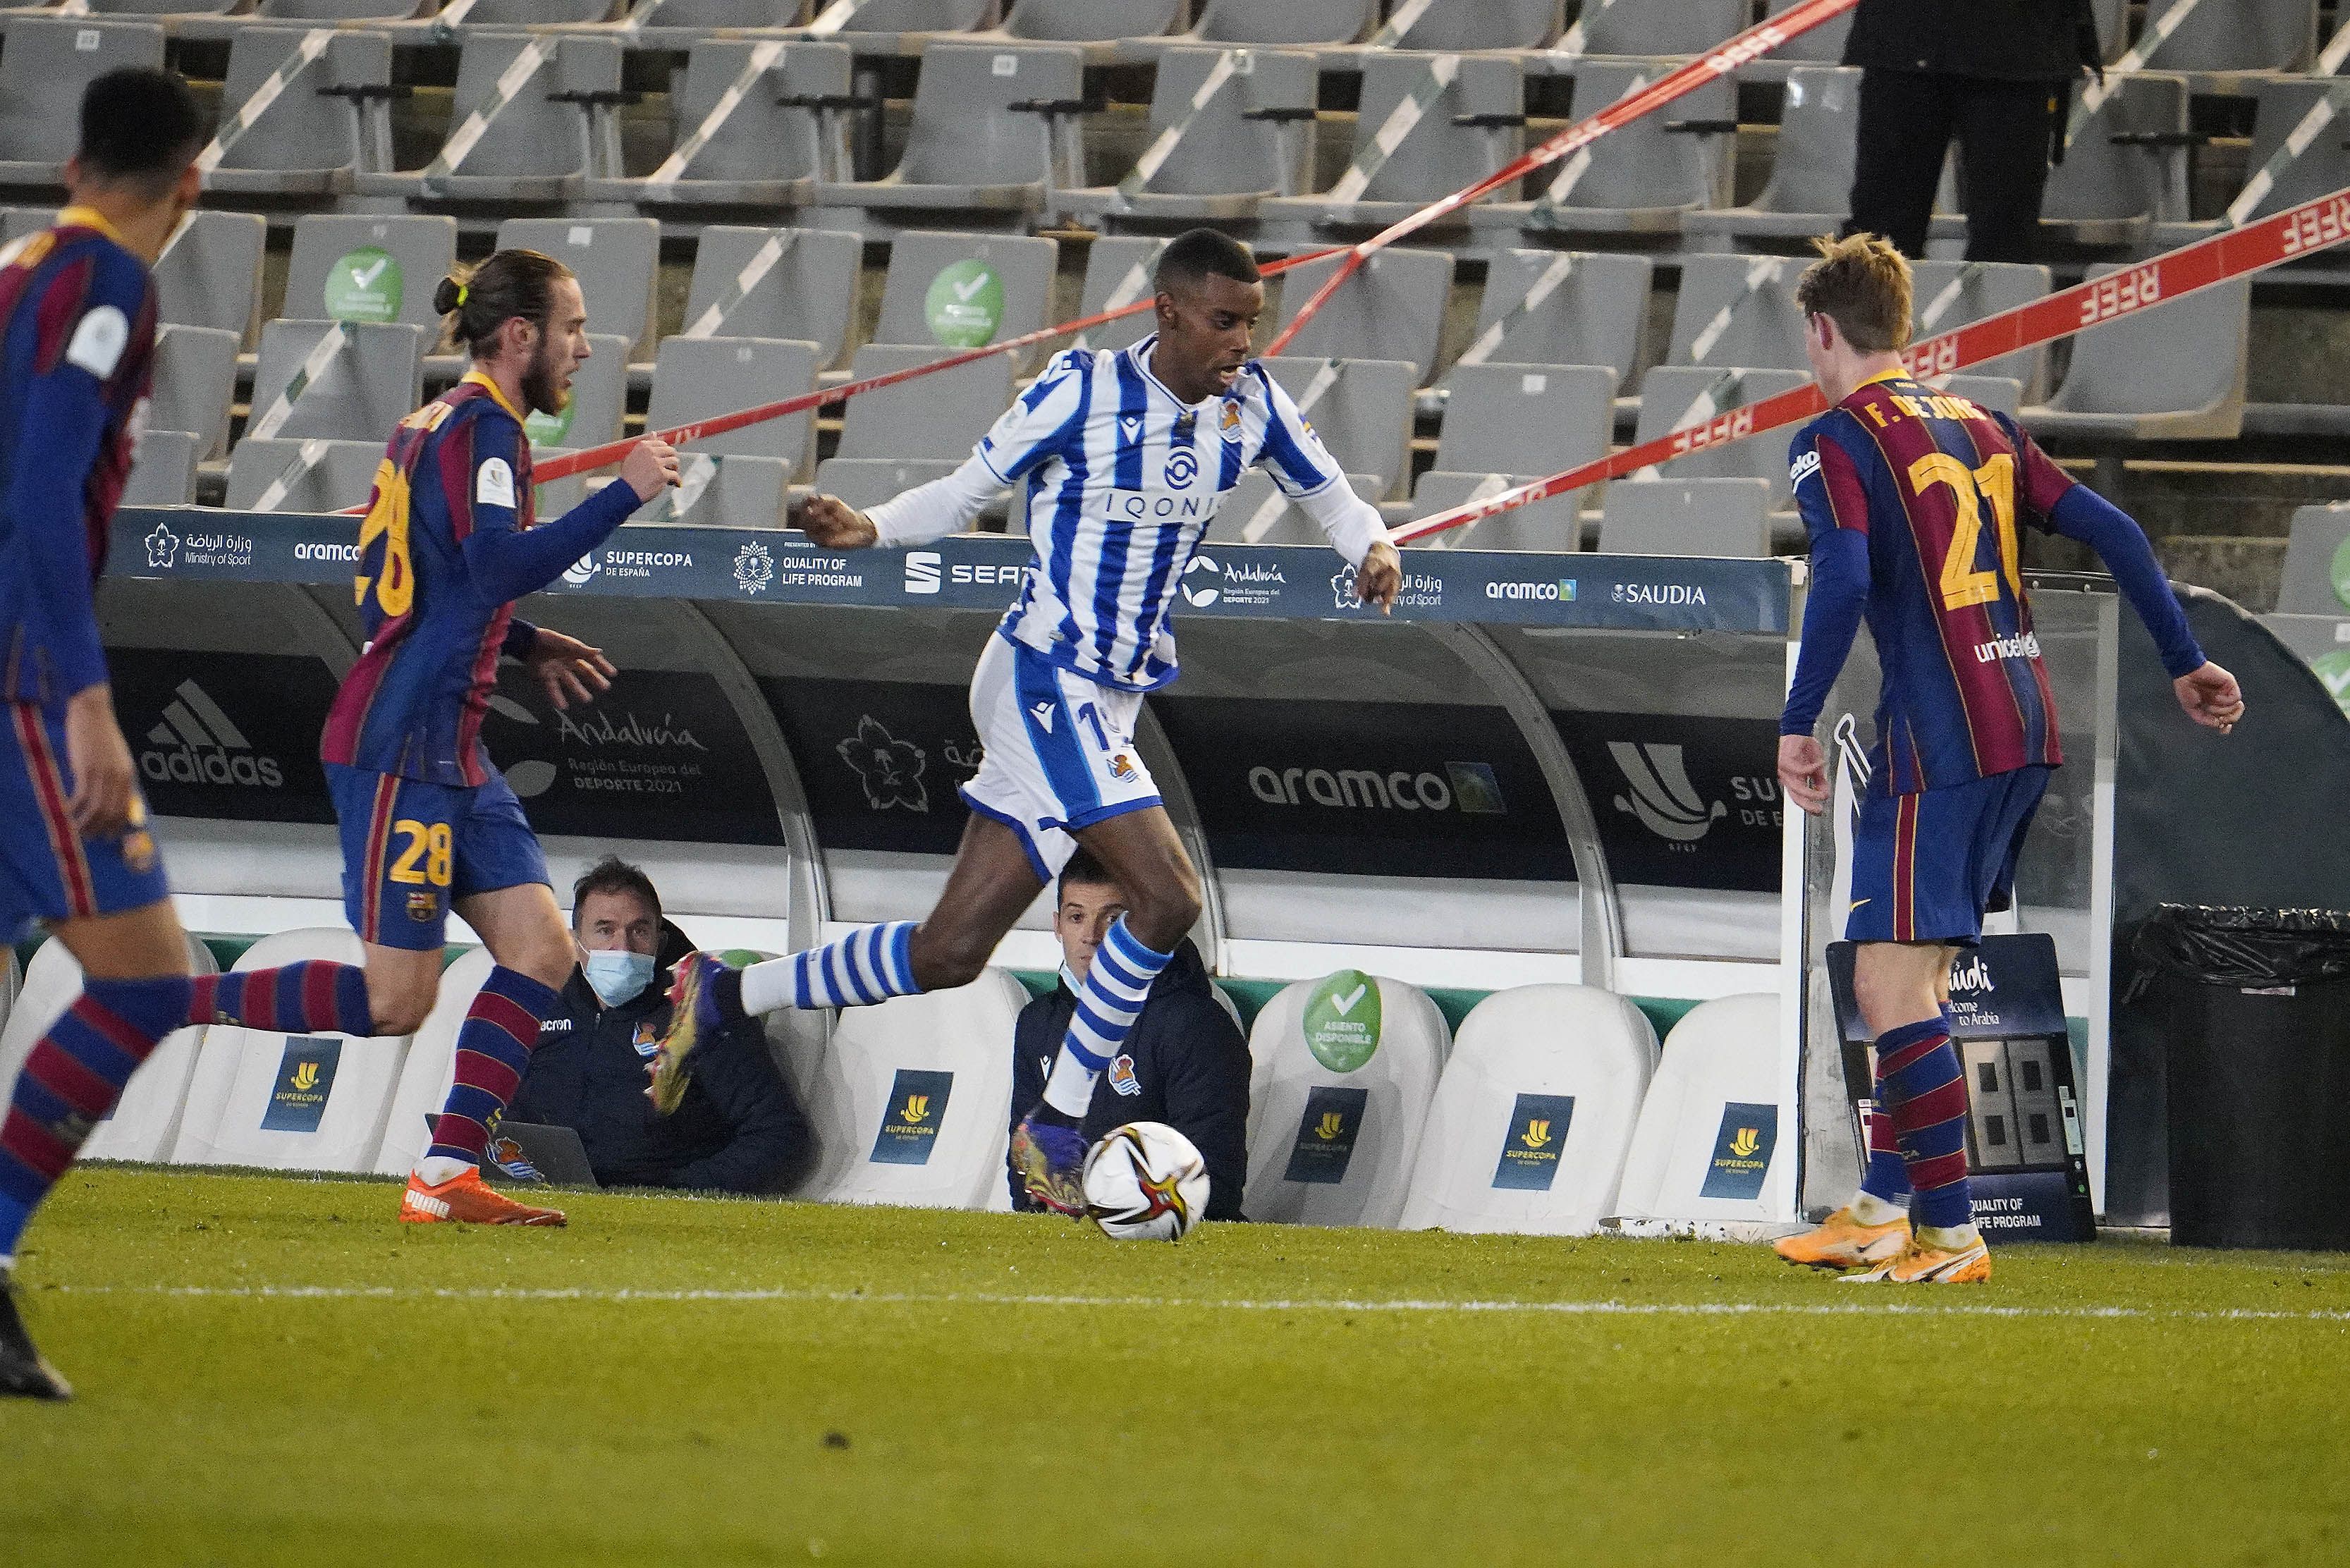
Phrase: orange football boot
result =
(1921, 1264)
(1841, 1242)
(466, 1199)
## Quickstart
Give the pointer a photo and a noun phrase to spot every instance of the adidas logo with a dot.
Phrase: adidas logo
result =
(426, 1203)
(197, 744)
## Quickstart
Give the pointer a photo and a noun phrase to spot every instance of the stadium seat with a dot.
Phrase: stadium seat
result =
(1822, 46)
(1118, 274)
(302, 112)
(1430, 124)
(1709, 1129)
(339, 272)
(614, 258)
(912, 1099)
(15, 223)
(2228, 37)
(1361, 407)
(1464, 25)
(2109, 193)
(1947, 295)
(2176, 371)
(1738, 310)
(1681, 396)
(1652, 30)
(1107, 30)
(346, 381)
(195, 380)
(163, 468)
(740, 138)
(970, 148)
(947, 291)
(43, 72)
(431, 1065)
(2001, 394)
(736, 492)
(339, 10)
(1810, 188)
(1675, 516)
(533, 120)
(1257, 513)
(209, 273)
(148, 1116)
(1529, 1126)
(455, 16)
(696, 378)
(1391, 308)
(908, 24)
(1554, 524)
(937, 418)
(1506, 424)
(1561, 308)
(2297, 154)
(289, 1102)
(2312, 584)
(171, 10)
(1228, 128)
(1255, 23)
(1643, 178)
(678, 24)
(313, 476)
(599, 397)
(864, 482)
(799, 283)
(1337, 1100)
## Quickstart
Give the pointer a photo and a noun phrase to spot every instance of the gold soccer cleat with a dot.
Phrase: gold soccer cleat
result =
(1840, 1242)
(1919, 1264)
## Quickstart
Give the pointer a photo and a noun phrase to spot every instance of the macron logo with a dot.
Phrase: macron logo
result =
(922, 572)
(1043, 712)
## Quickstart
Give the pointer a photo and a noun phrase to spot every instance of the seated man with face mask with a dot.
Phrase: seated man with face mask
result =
(737, 1129)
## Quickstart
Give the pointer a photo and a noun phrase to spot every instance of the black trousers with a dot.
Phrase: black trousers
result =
(1907, 121)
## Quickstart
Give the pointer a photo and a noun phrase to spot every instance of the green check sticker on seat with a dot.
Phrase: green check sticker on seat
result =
(965, 304)
(1342, 1020)
(365, 285)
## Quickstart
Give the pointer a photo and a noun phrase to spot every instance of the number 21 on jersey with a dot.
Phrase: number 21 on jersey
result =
(1962, 583)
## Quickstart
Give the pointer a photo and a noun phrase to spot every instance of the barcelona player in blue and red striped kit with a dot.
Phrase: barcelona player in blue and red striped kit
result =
(1913, 500)
(428, 824)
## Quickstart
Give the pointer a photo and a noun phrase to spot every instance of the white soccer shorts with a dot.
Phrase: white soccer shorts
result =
(1059, 752)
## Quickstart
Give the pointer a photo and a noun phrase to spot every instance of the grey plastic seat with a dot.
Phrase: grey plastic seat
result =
(2288, 164)
(455, 16)
(1391, 308)
(1553, 524)
(1947, 295)
(2175, 371)
(344, 381)
(864, 482)
(1822, 46)
(938, 418)
(301, 476)
(2110, 192)
(171, 8)
(209, 273)
(1506, 424)
(1119, 273)
(676, 24)
(15, 223)
(1810, 188)
(1289, 22)
(775, 283)
(735, 490)
(1998, 394)
(1738, 310)
(615, 259)
(738, 141)
(1411, 148)
(1653, 29)
(1251, 139)
(1361, 409)
(538, 138)
(195, 380)
(967, 149)
(163, 470)
(1107, 30)
(304, 111)
(338, 10)
(910, 21)
(1466, 25)
(696, 378)
(2310, 585)
(1678, 396)
(1685, 518)
(1642, 178)
(1257, 513)
(1562, 307)
(2230, 38)
(369, 267)
(599, 396)
(949, 291)
(42, 71)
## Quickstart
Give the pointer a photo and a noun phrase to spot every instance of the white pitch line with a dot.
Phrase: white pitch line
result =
(960, 1298)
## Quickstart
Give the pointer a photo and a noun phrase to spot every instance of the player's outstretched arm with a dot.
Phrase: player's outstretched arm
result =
(2208, 694)
(508, 561)
(927, 511)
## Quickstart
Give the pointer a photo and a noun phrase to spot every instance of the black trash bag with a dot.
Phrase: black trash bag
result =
(2241, 947)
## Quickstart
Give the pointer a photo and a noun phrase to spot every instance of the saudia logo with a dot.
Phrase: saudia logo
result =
(1969, 974)
(1467, 787)
(197, 744)
(1659, 594)
(1661, 795)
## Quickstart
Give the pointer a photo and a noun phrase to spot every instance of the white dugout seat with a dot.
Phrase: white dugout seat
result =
(147, 1117)
(1337, 1096)
(1709, 1129)
(1530, 1126)
(430, 1066)
(911, 1099)
(290, 1102)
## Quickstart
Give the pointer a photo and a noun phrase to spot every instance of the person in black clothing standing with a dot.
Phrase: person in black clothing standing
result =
(737, 1129)
(1997, 74)
(1185, 1064)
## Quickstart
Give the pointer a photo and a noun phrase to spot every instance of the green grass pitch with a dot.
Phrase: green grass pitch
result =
(273, 1372)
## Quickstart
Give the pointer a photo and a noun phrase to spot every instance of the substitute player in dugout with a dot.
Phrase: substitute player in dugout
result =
(1912, 499)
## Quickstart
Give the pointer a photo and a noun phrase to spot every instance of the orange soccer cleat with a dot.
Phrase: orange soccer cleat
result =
(466, 1199)
(1841, 1242)
(1922, 1264)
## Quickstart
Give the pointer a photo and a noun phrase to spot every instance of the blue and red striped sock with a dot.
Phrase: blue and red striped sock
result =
(1888, 1177)
(313, 997)
(1919, 1075)
(494, 1046)
(71, 1080)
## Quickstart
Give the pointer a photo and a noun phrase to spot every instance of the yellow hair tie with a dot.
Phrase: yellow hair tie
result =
(462, 290)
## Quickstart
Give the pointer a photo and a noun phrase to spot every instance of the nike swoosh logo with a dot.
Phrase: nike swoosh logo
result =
(1856, 903)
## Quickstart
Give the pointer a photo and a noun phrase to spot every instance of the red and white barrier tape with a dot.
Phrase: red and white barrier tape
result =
(2287, 236)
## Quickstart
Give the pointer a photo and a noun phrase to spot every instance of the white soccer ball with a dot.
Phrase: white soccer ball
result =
(1144, 1181)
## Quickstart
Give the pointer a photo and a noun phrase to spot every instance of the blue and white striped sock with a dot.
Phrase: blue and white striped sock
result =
(870, 964)
(1118, 982)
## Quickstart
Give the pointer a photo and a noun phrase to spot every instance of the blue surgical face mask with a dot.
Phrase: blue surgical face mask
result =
(618, 974)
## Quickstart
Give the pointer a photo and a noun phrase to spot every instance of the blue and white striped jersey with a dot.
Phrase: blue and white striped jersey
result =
(1117, 479)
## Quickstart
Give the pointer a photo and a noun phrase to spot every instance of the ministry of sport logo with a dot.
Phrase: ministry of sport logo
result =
(1420, 590)
(162, 547)
(197, 744)
(1661, 795)
(890, 769)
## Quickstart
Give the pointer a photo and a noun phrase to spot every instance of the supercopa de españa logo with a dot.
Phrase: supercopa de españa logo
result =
(755, 570)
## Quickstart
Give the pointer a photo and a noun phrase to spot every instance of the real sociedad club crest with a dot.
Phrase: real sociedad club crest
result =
(1182, 468)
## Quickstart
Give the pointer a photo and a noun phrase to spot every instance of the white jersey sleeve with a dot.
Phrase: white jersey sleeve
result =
(1303, 468)
(1040, 421)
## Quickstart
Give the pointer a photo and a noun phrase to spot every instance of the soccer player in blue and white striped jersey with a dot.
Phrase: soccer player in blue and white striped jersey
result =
(1117, 461)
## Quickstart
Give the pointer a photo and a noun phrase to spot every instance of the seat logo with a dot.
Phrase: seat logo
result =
(922, 572)
(1661, 795)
